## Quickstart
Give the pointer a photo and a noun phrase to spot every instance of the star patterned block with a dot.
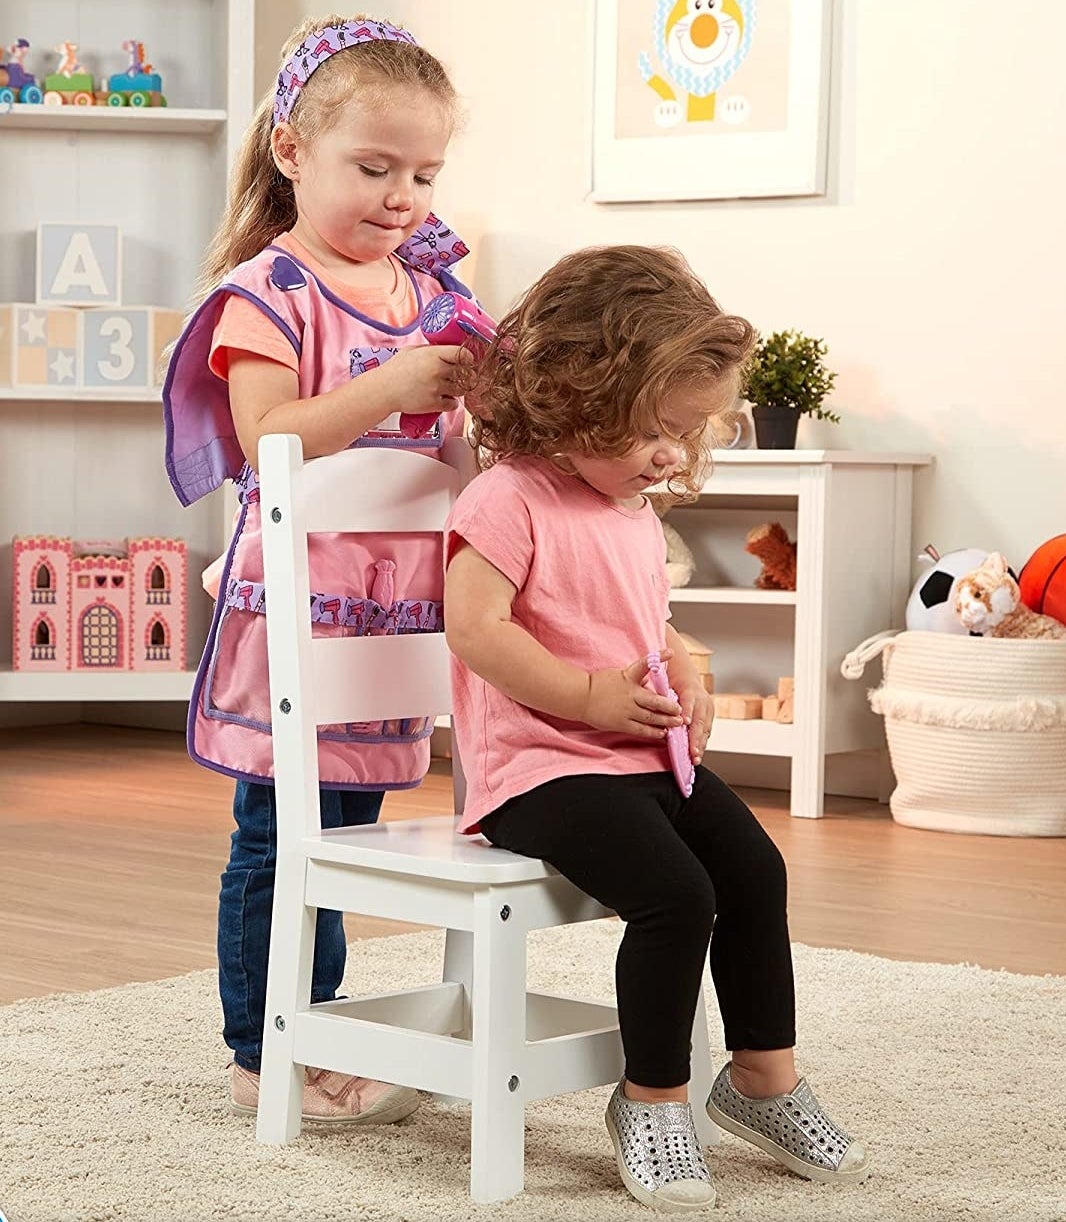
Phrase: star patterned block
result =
(7, 314)
(44, 345)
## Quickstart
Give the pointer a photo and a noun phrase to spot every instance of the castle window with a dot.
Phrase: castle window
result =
(158, 644)
(118, 581)
(83, 581)
(158, 592)
(43, 648)
(43, 585)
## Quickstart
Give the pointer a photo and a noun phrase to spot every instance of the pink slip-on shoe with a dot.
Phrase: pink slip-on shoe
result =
(331, 1098)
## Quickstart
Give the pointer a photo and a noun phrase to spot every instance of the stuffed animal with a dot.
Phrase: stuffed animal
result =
(988, 603)
(680, 563)
(770, 544)
(930, 607)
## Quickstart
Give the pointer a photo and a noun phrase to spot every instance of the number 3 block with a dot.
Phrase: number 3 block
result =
(122, 348)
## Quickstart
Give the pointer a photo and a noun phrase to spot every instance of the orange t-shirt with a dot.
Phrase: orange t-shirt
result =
(243, 327)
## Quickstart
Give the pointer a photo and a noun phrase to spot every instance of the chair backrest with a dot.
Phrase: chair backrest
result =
(323, 680)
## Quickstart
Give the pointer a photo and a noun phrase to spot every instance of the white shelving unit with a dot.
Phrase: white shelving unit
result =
(125, 686)
(90, 464)
(110, 118)
(56, 394)
(850, 513)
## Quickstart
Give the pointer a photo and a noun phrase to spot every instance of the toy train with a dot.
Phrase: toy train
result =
(70, 85)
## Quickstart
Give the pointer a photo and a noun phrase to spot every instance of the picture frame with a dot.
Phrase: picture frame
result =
(710, 99)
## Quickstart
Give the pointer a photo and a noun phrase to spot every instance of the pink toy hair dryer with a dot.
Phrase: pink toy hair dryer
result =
(449, 318)
(677, 737)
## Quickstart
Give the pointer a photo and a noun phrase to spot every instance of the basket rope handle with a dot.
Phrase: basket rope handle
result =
(855, 662)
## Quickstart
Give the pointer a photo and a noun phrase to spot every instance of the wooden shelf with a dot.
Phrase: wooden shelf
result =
(752, 737)
(83, 685)
(111, 119)
(733, 594)
(60, 394)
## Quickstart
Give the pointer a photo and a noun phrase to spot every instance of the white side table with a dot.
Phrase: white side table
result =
(850, 513)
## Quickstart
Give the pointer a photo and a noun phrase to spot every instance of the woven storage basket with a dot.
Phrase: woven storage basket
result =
(976, 730)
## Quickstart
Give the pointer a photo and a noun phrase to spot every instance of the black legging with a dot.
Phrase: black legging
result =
(667, 866)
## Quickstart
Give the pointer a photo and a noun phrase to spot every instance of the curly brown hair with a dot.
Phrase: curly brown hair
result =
(585, 359)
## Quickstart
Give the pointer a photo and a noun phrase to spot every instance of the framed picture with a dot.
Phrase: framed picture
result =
(710, 99)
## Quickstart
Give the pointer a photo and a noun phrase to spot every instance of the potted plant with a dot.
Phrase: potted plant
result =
(785, 377)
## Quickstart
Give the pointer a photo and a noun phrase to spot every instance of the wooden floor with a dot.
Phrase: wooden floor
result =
(111, 843)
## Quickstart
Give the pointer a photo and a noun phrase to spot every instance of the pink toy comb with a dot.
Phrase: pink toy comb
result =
(450, 318)
(677, 737)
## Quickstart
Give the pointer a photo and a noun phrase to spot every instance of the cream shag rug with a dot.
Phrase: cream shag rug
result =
(113, 1106)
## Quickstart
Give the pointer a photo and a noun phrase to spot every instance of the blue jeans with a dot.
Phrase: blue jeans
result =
(245, 905)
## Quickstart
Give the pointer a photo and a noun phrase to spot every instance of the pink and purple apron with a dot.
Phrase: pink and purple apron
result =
(360, 583)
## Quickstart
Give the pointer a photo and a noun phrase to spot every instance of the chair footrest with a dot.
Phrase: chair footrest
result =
(406, 1037)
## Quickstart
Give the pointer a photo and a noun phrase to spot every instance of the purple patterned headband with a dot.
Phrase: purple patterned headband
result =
(433, 247)
(318, 48)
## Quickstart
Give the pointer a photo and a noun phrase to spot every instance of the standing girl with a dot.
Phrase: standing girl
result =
(601, 384)
(315, 283)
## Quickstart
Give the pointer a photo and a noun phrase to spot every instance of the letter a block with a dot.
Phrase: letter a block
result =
(79, 265)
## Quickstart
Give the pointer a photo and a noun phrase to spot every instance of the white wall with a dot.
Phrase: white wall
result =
(935, 269)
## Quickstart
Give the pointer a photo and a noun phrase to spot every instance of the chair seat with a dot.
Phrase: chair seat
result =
(426, 848)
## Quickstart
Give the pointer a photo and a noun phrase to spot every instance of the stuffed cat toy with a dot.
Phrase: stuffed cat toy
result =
(680, 563)
(988, 603)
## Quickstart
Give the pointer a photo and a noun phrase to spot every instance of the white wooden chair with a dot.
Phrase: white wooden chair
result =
(478, 1034)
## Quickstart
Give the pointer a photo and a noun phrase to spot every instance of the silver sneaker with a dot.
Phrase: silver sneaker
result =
(658, 1154)
(792, 1128)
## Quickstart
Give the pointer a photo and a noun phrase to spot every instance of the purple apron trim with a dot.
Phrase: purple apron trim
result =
(237, 775)
(213, 452)
(350, 310)
(207, 658)
(273, 315)
(407, 615)
(355, 733)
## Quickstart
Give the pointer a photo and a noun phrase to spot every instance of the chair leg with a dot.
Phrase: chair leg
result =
(702, 1076)
(498, 1003)
(292, 949)
(459, 968)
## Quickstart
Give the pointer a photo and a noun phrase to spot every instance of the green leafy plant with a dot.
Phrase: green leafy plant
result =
(786, 369)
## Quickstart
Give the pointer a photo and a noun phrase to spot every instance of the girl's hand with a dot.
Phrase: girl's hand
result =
(618, 700)
(697, 708)
(429, 378)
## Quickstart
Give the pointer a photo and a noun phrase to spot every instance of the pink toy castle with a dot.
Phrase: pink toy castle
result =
(99, 605)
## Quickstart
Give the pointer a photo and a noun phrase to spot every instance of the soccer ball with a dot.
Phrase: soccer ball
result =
(930, 607)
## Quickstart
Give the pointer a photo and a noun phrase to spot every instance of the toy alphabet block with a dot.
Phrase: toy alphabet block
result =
(738, 706)
(79, 264)
(45, 346)
(164, 327)
(124, 347)
(7, 317)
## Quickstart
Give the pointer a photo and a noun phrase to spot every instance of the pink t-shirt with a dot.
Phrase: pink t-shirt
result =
(592, 589)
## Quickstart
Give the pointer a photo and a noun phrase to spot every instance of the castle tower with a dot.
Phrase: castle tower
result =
(41, 604)
(157, 606)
